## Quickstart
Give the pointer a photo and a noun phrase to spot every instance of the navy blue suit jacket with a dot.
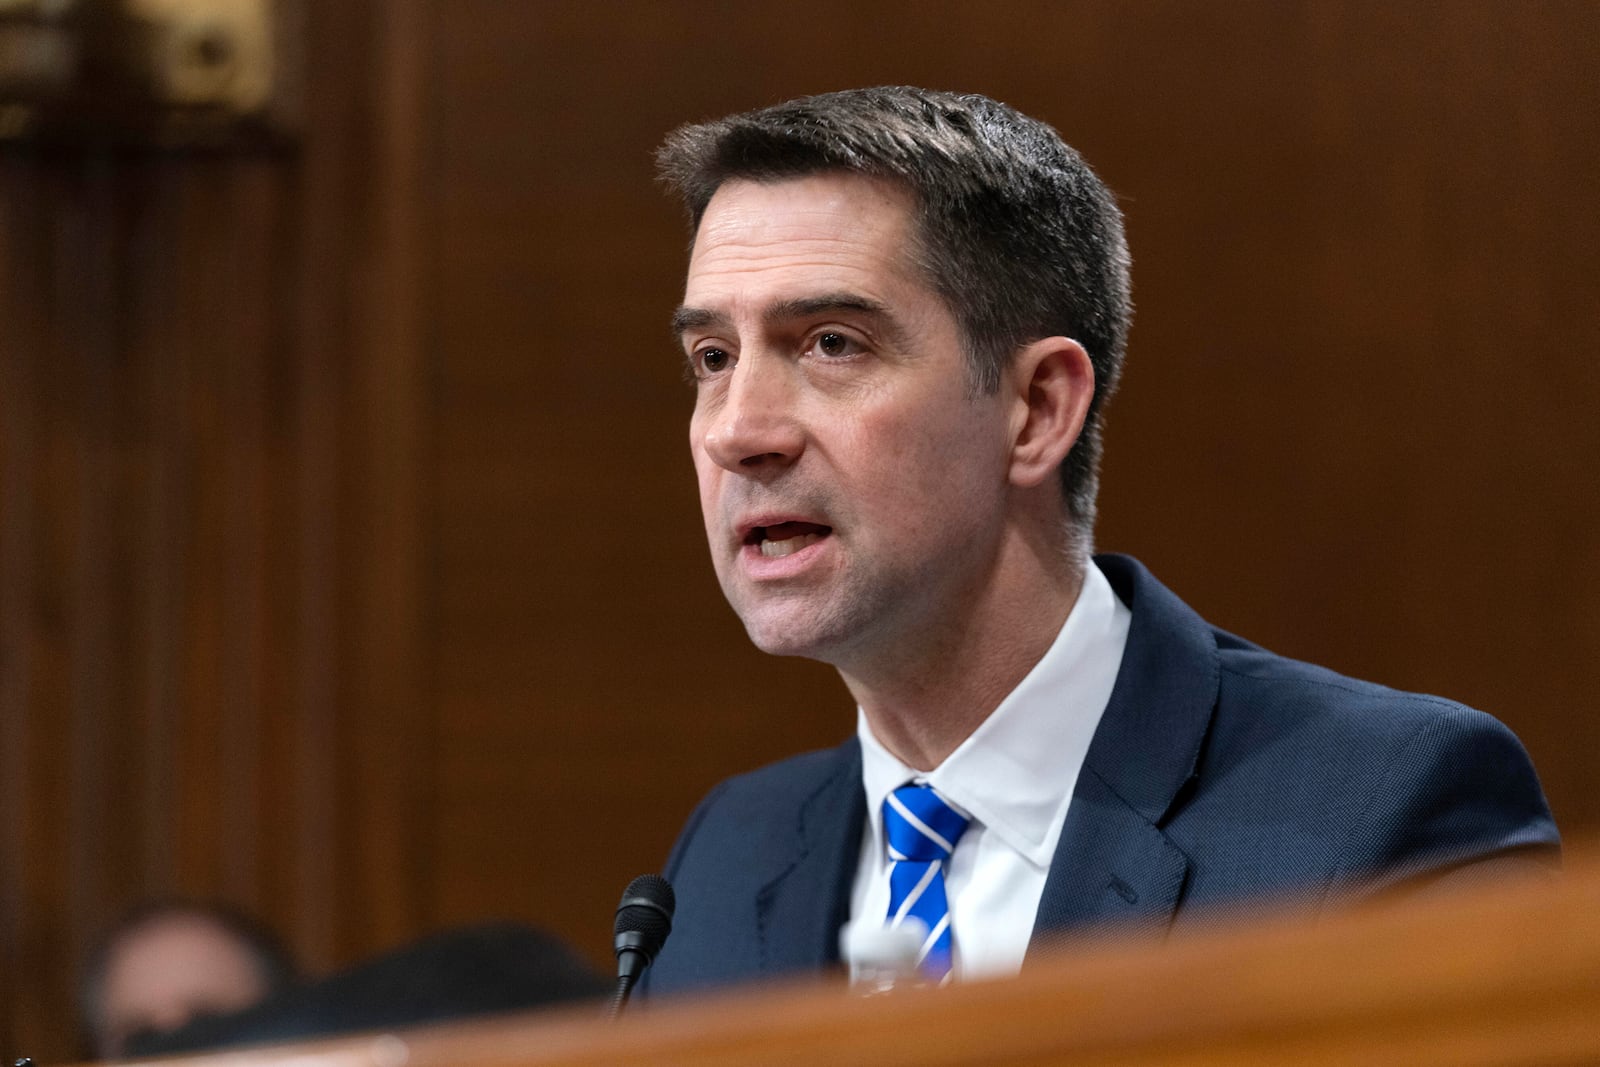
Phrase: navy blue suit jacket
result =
(1219, 773)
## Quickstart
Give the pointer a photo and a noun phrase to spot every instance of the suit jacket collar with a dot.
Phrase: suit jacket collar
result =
(801, 909)
(1114, 865)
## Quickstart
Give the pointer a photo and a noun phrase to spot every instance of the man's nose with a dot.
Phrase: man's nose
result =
(755, 429)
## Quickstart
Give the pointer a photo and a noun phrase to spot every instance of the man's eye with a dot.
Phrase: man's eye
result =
(712, 360)
(832, 343)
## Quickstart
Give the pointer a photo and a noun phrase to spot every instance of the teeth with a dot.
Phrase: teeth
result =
(788, 546)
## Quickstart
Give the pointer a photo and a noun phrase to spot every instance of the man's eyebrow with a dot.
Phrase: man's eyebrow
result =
(688, 318)
(807, 306)
(693, 318)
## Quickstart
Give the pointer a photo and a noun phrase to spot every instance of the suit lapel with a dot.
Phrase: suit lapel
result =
(1114, 866)
(800, 911)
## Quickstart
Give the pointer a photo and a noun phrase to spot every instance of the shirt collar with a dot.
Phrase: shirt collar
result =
(1015, 773)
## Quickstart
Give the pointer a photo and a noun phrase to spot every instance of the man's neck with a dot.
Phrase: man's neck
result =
(922, 706)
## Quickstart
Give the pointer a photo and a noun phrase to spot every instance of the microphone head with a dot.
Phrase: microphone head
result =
(644, 918)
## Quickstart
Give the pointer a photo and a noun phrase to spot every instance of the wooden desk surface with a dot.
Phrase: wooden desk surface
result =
(1506, 974)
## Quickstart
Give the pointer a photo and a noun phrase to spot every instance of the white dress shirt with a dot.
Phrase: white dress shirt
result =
(1014, 777)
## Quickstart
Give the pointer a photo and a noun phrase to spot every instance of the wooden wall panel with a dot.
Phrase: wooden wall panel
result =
(210, 565)
(137, 589)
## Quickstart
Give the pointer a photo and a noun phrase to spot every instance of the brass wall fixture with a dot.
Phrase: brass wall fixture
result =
(157, 72)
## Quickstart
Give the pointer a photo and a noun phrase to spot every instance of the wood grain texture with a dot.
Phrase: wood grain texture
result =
(211, 684)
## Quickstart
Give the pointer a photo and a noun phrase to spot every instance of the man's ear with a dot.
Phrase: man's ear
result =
(1052, 382)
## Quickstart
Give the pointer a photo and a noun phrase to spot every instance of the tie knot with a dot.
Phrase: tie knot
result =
(919, 824)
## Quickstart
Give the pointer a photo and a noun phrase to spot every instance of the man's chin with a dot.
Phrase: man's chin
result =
(788, 633)
(783, 643)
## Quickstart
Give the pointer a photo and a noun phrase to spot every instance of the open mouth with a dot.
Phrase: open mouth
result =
(785, 538)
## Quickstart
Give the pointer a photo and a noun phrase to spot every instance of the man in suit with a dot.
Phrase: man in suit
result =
(904, 311)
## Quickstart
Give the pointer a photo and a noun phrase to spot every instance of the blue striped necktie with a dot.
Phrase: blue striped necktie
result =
(921, 829)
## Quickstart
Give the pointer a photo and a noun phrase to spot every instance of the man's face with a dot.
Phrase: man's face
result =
(853, 490)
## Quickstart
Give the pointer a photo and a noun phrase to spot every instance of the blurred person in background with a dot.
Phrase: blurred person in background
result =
(167, 963)
(461, 972)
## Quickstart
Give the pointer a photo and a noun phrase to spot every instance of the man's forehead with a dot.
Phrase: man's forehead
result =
(814, 209)
(762, 244)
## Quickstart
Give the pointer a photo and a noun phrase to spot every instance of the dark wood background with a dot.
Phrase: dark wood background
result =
(350, 563)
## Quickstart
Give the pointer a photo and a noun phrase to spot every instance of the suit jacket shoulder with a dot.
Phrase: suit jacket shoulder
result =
(1383, 787)
(1223, 773)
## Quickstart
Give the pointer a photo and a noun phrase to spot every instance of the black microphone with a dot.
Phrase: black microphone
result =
(644, 919)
